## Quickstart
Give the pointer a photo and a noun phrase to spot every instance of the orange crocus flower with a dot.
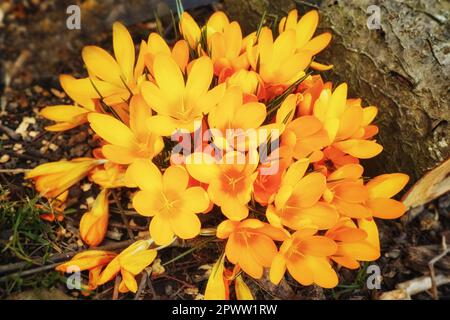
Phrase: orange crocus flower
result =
(250, 244)
(110, 176)
(229, 180)
(94, 223)
(129, 263)
(304, 30)
(353, 244)
(347, 193)
(381, 189)
(297, 203)
(305, 256)
(54, 178)
(126, 144)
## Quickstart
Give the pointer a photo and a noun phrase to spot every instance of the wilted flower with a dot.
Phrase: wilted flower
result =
(54, 178)
(129, 263)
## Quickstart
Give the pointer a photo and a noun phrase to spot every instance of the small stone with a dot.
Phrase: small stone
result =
(53, 147)
(4, 158)
(90, 201)
(57, 93)
(86, 187)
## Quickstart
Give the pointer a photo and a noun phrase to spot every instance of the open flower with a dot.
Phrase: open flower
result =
(381, 189)
(352, 244)
(304, 30)
(92, 260)
(168, 199)
(250, 244)
(94, 223)
(347, 193)
(126, 144)
(231, 121)
(297, 203)
(54, 178)
(304, 255)
(229, 180)
(129, 263)
(177, 103)
(277, 62)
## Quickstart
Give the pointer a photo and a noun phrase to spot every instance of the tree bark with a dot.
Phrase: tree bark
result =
(403, 68)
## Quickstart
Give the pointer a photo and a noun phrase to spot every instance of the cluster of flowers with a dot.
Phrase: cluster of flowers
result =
(313, 212)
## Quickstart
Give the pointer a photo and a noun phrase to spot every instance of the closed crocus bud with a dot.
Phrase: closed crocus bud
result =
(94, 223)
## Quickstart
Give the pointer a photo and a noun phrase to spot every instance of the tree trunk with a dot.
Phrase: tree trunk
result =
(403, 68)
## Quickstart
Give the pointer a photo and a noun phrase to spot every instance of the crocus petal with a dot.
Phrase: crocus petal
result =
(185, 225)
(363, 149)
(317, 246)
(202, 167)
(199, 79)
(112, 130)
(386, 208)
(118, 154)
(135, 263)
(318, 43)
(215, 287)
(168, 76)
(124, 50)
(299, 269)
(323, 274)
(387, 185)
(128, 282)
(243, 292)
(306, 27)
(160, 230)
(146, 175)
(148, 203)
(277, 269)
(102, 65)
(196, 199)
(175, 180)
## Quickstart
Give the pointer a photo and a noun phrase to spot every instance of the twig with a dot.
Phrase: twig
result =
(406, 289)
(142, 285)
(14, 171)
(9, 132)
(29, 272)
(115, 295)
(124, 217)
(445, 251)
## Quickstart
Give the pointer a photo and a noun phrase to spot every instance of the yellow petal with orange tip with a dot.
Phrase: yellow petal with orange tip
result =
(387, 185)
(363, 149)
(306, 27)
(168, 76)
(323, 274)
(320, 67)
(112, 130)
(243, 292)
(349, 171)
(161, 230)
(318, 43)
(386, 208)
(146, 175)
(124, 50)
(215, 287)
(148, 203)
(101, 64)
(317, 246)
(277, 269)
